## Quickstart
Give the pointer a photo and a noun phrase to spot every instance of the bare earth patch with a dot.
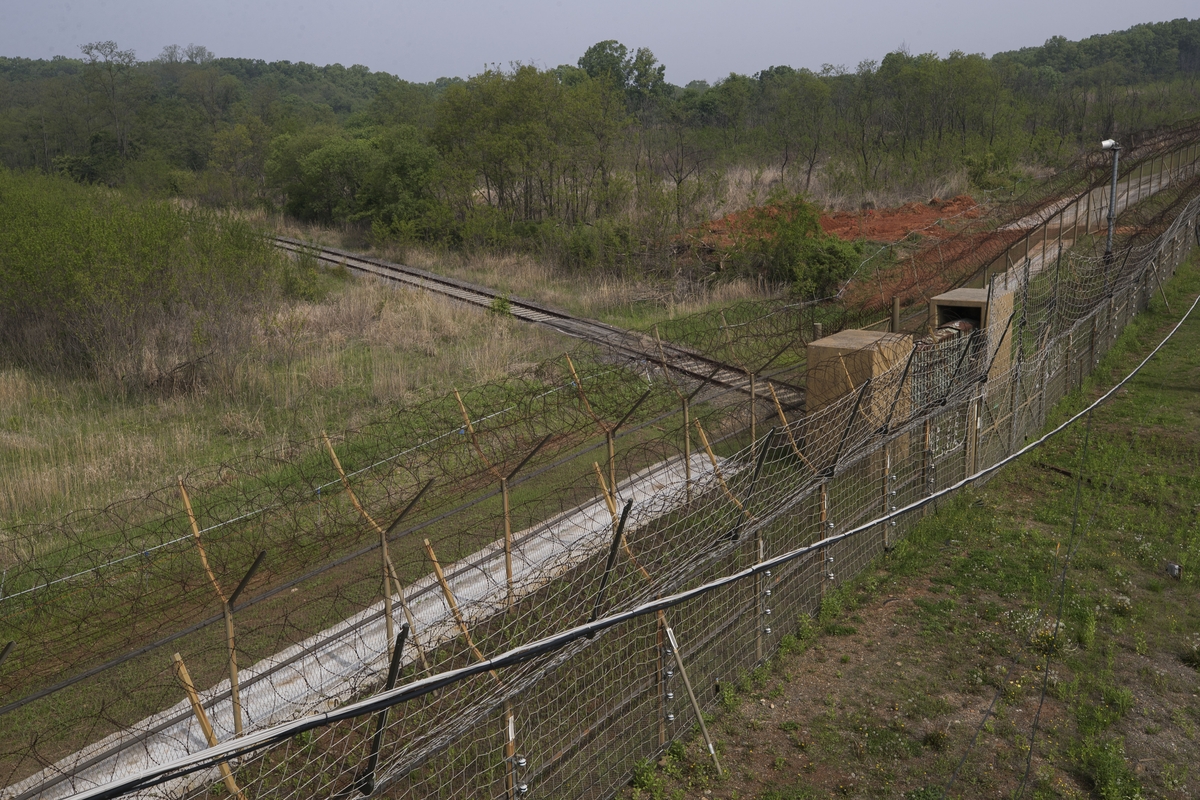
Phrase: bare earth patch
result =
(923, 678)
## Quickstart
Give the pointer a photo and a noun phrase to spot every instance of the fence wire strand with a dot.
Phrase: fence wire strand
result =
(825, 461)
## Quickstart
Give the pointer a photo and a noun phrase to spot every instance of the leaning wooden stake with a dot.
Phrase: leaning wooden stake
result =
(510, 745)
(474, 439)
(717, 470)
(187, 504)
(712, 751)
(508, 540)
(390, 575)
(234, 687)
(608, 429)
(610, 499)
(783, 421)
(687, 428)
(579, 388)
(182, 673)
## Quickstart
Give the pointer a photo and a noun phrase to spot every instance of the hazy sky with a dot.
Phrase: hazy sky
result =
(700, 39)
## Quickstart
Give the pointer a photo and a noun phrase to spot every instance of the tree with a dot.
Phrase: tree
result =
(198, 54)
(647, 78)
(638, 75)
(110, 77)
(796, 109)
(607, 60)
(239, 152)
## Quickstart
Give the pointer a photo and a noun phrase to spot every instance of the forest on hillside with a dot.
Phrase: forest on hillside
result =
(602, 163)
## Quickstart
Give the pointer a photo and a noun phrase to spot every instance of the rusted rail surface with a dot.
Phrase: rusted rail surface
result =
(629, 344)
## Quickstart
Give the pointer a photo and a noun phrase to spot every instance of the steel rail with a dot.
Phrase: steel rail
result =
(626, 343)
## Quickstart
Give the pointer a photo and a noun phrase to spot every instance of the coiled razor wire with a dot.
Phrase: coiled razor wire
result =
(710, 500)
(539, 649)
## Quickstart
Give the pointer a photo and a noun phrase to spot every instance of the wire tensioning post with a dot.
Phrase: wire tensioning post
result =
(887, 423)
(610, 435)
(235, 693)
(246, 578)
(758, 465)
(366, 783)
(837, 455)
(390, 574)
(508, 540)
(612, 561)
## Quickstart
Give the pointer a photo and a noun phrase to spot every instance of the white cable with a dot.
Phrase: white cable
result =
(528, 651)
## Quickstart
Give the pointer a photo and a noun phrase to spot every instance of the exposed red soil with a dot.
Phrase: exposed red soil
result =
(937, 219)
(935, 268)
(934, 219)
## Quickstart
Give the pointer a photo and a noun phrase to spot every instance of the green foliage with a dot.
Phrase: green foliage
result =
(784, 243)
(1153, 51)
(1103, 762)
(501, 306)
(987, 172)
(831, 608)
(603, 165)
(806, 631)
(647, 780)
(383, 176)
(1084, 620)
(1094, 715)
(638, 74)
(905, 118)
(301, 279)
(124, 289)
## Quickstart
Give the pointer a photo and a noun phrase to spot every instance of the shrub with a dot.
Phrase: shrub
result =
(1104, 764)
(127, 290)
(783, 242)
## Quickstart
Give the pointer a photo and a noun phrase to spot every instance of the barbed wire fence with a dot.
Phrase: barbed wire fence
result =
(568, 648)
(284, 580)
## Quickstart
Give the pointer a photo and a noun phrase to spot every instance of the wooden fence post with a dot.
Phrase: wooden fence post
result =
(235, 694)
(510, 750)
(753, 412)
(927, 463)
(687, 450)
(205, 726)
(390, 575)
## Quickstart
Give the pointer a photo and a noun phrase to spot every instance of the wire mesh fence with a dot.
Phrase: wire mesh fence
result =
(481, 522)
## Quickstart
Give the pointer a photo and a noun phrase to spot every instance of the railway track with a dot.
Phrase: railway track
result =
(631, 345)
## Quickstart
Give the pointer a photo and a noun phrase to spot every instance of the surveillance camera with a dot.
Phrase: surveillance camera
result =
(1110, 144)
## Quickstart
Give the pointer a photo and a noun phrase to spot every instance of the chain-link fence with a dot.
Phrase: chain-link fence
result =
(587, 489)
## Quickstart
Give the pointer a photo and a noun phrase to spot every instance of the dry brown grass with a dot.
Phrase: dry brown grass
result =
(66, 444)
(621, 300)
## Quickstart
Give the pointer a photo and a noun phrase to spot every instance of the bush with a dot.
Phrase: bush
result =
(783, 243)
(128, 290)
(604, 245)
(1104, 764)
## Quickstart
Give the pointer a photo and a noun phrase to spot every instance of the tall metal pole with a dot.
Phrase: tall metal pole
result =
(1112, 198)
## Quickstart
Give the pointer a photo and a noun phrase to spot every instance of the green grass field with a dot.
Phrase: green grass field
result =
(930, 669)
